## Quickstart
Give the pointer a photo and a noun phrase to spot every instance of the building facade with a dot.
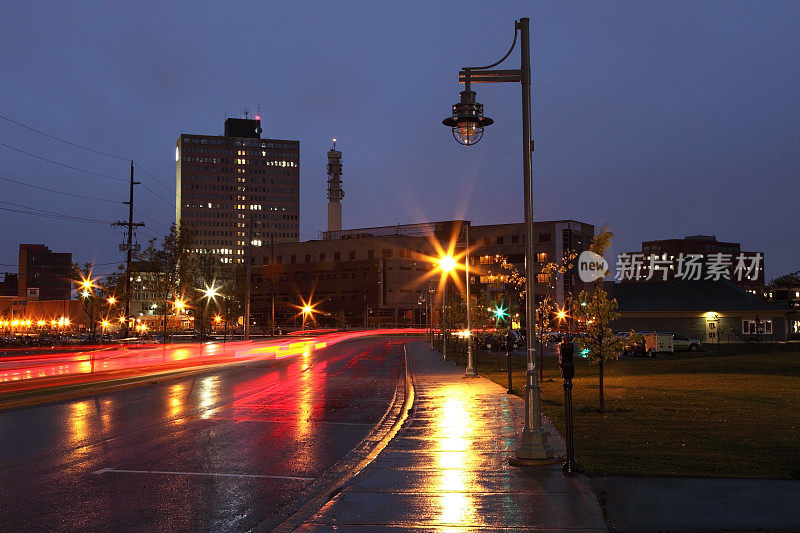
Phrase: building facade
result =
(237, 190)
(666, 259)
(385, 275)
(43, 274)
(710, 311)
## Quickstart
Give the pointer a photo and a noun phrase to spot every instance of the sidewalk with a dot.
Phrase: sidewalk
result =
(448, 466)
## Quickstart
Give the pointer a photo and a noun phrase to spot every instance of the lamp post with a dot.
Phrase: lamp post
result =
(446, 263)
(467, 124)
(431, 291)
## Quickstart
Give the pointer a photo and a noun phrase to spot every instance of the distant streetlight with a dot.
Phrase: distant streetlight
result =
(111, 300)
(467, 123)
(307, 310)
(447, 264)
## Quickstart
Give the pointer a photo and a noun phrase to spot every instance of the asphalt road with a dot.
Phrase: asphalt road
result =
(222, 450)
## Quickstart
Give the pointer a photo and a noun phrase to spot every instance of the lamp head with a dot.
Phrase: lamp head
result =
(467, 121)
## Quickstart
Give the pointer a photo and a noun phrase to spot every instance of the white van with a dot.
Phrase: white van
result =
(655, 343)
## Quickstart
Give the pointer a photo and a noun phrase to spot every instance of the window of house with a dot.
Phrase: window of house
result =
(500, 240)
(541, 257)
(387, 252)
(515, 239)
(293, 259)
(321, 257)
(337, 256)
(487, 241)
(308, 258)
(543, 278)
(545, 237)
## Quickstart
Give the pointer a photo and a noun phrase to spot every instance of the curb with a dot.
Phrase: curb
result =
(330, 483)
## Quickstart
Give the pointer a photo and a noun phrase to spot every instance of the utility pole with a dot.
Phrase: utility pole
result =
(248, 275)
(128, 248)
(272, 281)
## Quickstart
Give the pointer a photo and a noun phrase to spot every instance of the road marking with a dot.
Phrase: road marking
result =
(217, 474)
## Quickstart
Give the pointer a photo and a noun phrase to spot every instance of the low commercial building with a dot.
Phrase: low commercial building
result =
(710, 311)
(384, 275)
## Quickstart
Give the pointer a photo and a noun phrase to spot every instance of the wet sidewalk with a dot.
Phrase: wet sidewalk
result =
(447, 468)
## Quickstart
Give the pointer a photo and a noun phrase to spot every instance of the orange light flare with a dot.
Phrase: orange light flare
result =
(87, 283)
(561, 315)
(308, 309)
(446, 262)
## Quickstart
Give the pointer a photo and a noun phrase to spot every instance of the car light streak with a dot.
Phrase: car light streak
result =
(100, 363)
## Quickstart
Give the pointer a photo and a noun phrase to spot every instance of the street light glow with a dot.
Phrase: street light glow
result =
(211, 292)
(447, 263)
(111, 300)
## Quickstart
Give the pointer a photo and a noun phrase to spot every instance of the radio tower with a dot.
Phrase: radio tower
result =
(335, 192)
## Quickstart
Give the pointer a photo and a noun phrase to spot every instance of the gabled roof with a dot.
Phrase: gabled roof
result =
(683, 295)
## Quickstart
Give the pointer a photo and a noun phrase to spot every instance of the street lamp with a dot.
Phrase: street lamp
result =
(467, 123)
(307, 310)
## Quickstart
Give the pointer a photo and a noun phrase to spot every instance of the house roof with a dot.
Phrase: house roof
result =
(684, 295)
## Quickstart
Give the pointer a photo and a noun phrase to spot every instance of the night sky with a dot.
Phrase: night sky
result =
(658, 119)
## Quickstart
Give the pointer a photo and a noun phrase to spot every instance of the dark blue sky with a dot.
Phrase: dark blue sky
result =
(659, 119)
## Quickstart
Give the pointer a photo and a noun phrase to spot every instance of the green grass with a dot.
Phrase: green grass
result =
(690, 415)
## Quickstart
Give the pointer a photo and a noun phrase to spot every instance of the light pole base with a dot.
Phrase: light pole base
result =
(516, 461)
(534, 447)
(470, 373)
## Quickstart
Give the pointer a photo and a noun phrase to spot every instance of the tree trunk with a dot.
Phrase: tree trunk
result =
(165, 322)
(602, 400)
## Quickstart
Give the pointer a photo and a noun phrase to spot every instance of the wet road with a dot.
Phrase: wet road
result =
(222, 450)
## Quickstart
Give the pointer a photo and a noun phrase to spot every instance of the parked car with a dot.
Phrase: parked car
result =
(682, 342)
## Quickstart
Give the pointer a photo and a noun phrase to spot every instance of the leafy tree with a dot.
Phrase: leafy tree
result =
(598, 311)
(600, 343)
(789, 280)
(544, 313)
(93, 297)
(341, 320)
(170, 265)
(207, 280)
(232, 280)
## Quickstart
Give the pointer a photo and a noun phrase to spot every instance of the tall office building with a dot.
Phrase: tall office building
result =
(237, 187)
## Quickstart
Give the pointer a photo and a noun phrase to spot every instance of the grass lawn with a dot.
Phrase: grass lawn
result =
(690, 415)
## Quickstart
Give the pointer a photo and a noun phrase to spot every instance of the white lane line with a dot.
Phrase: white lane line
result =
(217, 474)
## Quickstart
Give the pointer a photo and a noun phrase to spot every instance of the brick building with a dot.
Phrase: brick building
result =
(382, 275)
(670, 255)
(43, 274)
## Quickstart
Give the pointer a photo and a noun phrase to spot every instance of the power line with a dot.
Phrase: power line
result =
(63, 165)
(25, 210)
(90, 150)
(63, 140)
(158, 195)
(151, 218)
(95, 198)
(156, 179)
